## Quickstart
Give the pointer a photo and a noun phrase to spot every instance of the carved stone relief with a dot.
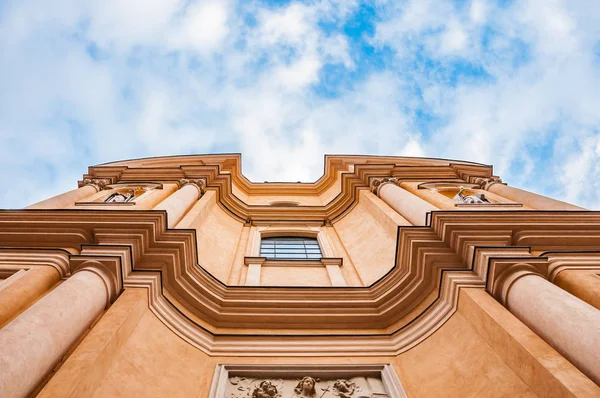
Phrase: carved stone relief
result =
(476, 198)
(486, 182)
(305, 387)
(98, 183)
(200, 183)
(118, 197)
(377, 183)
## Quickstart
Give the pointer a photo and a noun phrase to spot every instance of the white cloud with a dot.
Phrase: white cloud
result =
(204, 26)
(479, 11)
(90, 82)
(454, 39)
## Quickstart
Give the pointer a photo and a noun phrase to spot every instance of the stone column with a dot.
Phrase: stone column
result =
(17, 295)
(568, 324)
(582, 283)
(86, 189)
(409, 206)
(179, 203)
(34, 342)
(529, 199)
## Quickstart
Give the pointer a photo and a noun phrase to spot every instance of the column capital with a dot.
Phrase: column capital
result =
(199, 183)
(486, 182)
(378, 182)
(108, 269)
(98, 183)
(502, 277)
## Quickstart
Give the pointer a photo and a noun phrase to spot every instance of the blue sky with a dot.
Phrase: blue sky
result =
(510, 83)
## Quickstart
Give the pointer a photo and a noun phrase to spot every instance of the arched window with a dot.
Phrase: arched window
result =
(290, 248)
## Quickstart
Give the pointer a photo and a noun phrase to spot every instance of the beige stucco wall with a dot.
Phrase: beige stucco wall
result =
(294, 276)
(217, 236)
(369, 236)
(142, 357)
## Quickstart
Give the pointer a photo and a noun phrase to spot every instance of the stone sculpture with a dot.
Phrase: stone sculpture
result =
(266, 390)
(118, 197)
(306, 388)
(344, 388)
(478, 198)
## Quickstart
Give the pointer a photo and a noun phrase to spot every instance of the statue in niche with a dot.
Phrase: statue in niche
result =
(118, 197)
(266, 390)
(478, 198)
(344, 388)
(306, 388)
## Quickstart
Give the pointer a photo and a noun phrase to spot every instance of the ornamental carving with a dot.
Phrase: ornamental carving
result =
(487, 182)
(377, 183)
(98, 183)
(476, 198)
(305, 387)
(344, 388)
(120, 197)
(200, 183)
(266, 390)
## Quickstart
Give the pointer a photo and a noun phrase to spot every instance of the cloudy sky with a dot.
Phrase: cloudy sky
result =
(515, 84)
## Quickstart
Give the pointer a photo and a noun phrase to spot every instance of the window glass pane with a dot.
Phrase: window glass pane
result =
(290, 248)
(289, 255)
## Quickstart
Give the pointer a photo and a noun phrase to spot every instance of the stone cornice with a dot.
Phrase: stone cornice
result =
(223, 174)
(409, 303)
(503, 272)
(108, 266)
(559, 261)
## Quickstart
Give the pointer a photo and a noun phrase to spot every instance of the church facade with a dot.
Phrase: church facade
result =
(387, 277)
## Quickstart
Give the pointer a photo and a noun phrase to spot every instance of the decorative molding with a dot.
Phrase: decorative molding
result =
(123, 189)
(321, 262)
(503, 273)
(98, 183)
(415, 298)
(199, 183)
(306, 381)
(24, 258)
(351, 173)
(108, 268)
(402, 309)
(486, 182)
(562, 261)
(378, 182)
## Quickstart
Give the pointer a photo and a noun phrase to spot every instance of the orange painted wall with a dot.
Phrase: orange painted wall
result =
(151, 361)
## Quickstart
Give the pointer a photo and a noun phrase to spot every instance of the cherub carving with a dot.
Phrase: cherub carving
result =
(344, 388)
(266, 390)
